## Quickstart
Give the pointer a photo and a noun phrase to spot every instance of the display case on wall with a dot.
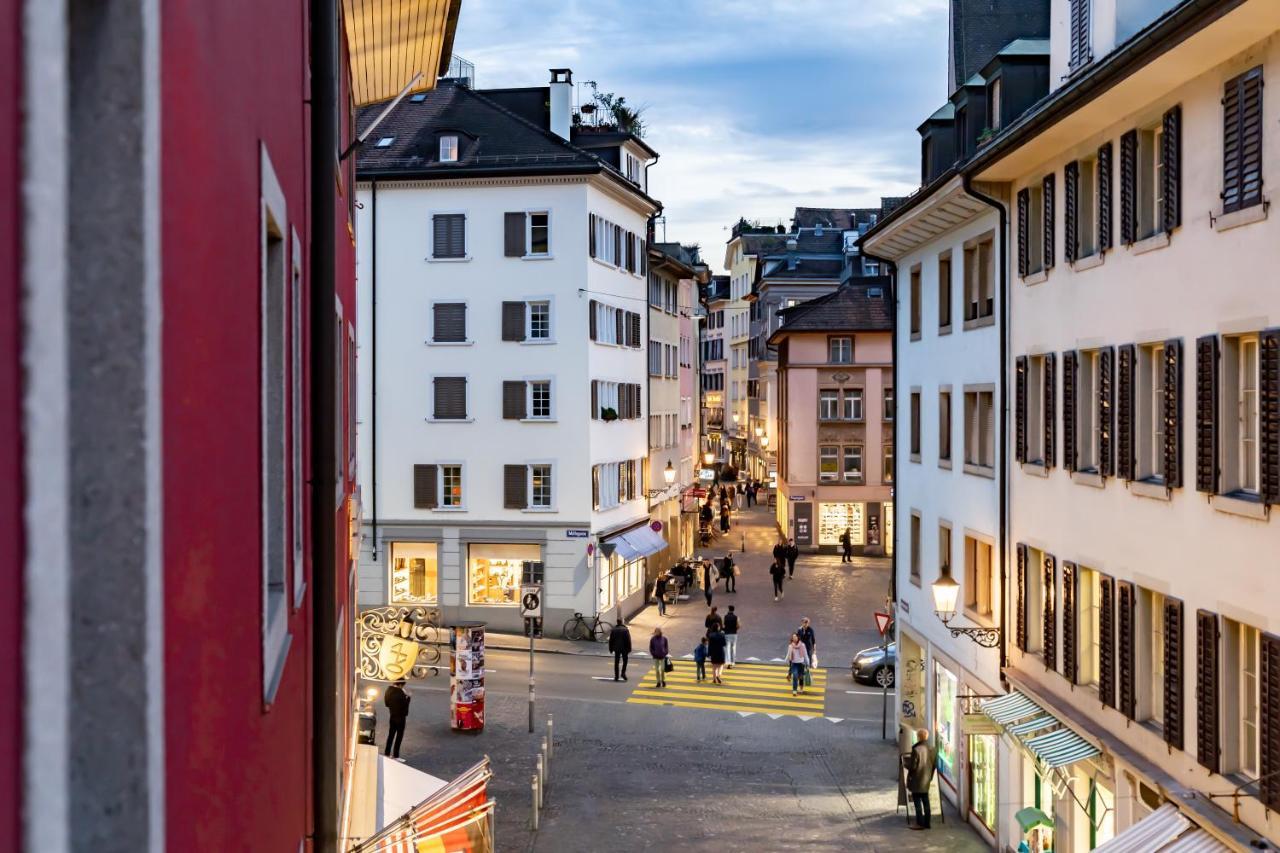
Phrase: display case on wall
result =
(494, 572)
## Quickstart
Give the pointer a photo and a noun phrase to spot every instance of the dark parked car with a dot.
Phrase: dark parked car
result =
(876, 665)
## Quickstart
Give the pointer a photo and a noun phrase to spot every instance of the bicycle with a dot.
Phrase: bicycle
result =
(581, 628)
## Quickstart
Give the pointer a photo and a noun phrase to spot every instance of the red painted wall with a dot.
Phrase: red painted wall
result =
(11, 489)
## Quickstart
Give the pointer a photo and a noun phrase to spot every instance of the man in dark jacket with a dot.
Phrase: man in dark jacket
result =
(779, 573)
(730, 582)
(397, 702)
(708, 583)
(620, 645)
(793, 554)
(920, 765)
(780, 552)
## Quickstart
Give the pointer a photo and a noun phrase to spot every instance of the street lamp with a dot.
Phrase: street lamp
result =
(735, 418)
(708, 457)
(946, 592)
(669, 473)
(759, 431)
(764, 441)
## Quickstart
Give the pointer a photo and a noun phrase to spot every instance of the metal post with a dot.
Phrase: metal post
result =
(546, 756)
(551, 741)
(532, 639)
(534, 788)
(542, 781)
(884, 702)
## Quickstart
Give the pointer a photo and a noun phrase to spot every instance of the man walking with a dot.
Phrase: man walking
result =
(727, 567)
(793, 554)
(397, 702)
(620, 645)
(919, 777)
(810, 640)
(778, 571)
(660, 593)
(731, 637)
(780, 551)
(846, 546)
(707, 582)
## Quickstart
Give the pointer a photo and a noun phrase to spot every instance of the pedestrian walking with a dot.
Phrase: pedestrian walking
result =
(780, 551)
(658, 650)
(920, 777)
(713, 619)
(708, 585)
(700, 653)
(724, 515)
(810, 640)
(779, 572)
(728, 569)
(793, 554)
(716, 642)
(731, 626)
(397, 702)
(660, 593)
(620, 645)
(846, 543)
(739, 497)
(751, 493)
(797, 660)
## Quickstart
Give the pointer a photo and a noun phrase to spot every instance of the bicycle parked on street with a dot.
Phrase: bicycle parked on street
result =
(582, 628)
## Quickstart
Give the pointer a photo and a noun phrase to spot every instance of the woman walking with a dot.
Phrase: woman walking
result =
(716, 642)
(779, 571)
(658, 651)
(797, 660)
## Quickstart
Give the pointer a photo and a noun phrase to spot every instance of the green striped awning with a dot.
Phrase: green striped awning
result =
(1033, 725)
(1061, 748)
(1011, 708)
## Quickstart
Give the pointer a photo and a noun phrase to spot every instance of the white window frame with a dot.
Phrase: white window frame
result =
(529, 253)
(1035, 227)
(1150, 420)
(431, 236)
(449, 148)
(1150, 168)
(834, 456)
(1241, 463)
(852, 405)
(550, 506)
(607, 324)
(859, 453)
(548, 301)
(1087, 209)
(443, 492)
(1035, 409)
(842, 343)
(1088, 423)
(828, 404)
(979, 586)
(550, 382)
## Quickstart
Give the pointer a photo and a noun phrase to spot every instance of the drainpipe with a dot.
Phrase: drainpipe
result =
(1003, 443)
(373, 361)
(325, 758)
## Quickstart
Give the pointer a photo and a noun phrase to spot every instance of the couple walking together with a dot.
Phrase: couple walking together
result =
(802, 655)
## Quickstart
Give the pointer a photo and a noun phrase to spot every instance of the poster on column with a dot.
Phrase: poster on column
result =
(466, 694)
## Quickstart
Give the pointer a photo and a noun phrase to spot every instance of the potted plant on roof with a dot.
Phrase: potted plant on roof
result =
(986, 136)
(608, 413)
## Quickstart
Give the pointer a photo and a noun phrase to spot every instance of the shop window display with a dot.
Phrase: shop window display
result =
(944, 694)
(834, 518)
(982, 778)
(494, 572)
(413, 572)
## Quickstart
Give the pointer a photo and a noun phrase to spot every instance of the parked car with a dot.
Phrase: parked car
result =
(876, 665)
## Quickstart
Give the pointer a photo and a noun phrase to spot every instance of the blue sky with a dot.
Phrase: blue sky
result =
(756, 106)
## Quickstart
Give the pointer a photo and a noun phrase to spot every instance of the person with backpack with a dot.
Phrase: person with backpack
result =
(620, 645)
(846, 546)
(731, 625)
(779, 572)
(658, 650)
(700, 660)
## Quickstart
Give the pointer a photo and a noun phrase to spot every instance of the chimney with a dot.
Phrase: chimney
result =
(561, 101)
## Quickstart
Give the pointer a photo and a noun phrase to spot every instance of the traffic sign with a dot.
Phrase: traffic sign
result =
(882, 622)
(531, 602)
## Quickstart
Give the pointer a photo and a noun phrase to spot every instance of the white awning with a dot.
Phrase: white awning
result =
(638, 542)
(400, 788)
(1166, 830)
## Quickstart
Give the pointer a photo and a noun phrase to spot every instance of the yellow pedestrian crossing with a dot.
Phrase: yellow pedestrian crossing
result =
(748, 687)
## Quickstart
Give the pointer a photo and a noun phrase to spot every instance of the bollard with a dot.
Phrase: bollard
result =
(535, 802)
(542, 782)
(551, 741)
(546, 756)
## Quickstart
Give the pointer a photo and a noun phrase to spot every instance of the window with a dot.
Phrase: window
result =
(994, 106)
(1088, 215)
(540, 486)
(450, 398)
(1150, 182)
(828, 404)
(539, 237)
(915, 547)
(977, 576)
(1241, 465)
(979, 280)
(1090, 631)
(1242, 697)
(888, 404)
(851, 405)
(1242, 141)
(1035, 428)
(414, 572)
(1035, 228)
(385, 142)
(448, 149)
(840, 350)
(449, 322)
(449, 235)
(1150, 396)
(451, 486)
(979, 442)
(853, 463)
(615, 483)
(1153, 606)
(494, 573)
(539, 314)
(915, 426)
(944, 292)
(887, 464)
(915, 304)
(944, 426)
(540, 399)
(1088, 415)
(828, 463)
(614, 245)
(944, 547)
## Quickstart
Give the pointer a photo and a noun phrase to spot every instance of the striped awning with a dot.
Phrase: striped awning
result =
(392, 41)
(1011, 708)
(1033, 725)
(1061, 748)
(1043, 735)
(1166, 830)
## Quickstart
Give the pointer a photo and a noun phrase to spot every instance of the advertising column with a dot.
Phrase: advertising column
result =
(466, 694)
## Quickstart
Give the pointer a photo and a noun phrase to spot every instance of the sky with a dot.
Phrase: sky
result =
(755, 106)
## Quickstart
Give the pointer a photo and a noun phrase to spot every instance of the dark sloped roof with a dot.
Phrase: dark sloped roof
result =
(851, 307)
(805, 268)
(841, 218)
(717, 288)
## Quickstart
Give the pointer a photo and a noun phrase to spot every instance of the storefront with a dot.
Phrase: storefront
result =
(414, 573)
(945, 686)
(494, 572)
(983, 779)
(835, 518)
(622, 580)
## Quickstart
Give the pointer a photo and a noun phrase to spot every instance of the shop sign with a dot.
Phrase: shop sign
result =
(576, 533)
(398, 642)
(804, 523)
(707, 474)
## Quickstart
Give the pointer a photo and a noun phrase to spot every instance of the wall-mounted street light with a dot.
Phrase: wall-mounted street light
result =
(708, 457)
(764, 441)
(759, 431)
(735, 417)
(669, 473)
(946, 592)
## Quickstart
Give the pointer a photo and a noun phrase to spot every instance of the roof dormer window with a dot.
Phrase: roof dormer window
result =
(448, 149)
(385, 142)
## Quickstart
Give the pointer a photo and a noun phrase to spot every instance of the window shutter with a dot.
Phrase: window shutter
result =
(620, 327)
(1105, 410)
(591, 320)
(591, 236)
(1050, 254)
(1069, 450)
(1173, 413)
(1242, 141)
(1079, 33)
(1269, 414)
(1020, 605)
(1125, 649)
(1049, 638)
(424, 487)
(1071, 218)
(449, 235)
(617, 245)
(1070, 595)
(513, 321)
(513, 400)
(595, 486)
(1207, 414)
(639, 412)
(1020, 408)
(515, 487)
(450, 398)
(635, 329)
(595, 399)
(1269, 725)
(1129, 187)
(1106, 641)
(1171, 174)
(1173, 669)
(1024, 205)
(1124, 412)
(1050, 417)
(1104, 197)
(513, 234)
(1207, 743)
(449, 322)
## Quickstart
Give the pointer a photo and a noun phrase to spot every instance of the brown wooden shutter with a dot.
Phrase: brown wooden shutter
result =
(1125, 455)
(1049, 637)
(619, 327)
(1126, 648)
(1020, 408)
(1207, 414)
(514, 395)
(1050, 416)
(595, 399)
(449, 231)
(1173, 673)
(639, 405)
(1049, 229)
(1024, 209)
(449, 322)
(515, 486)
(513, 321)
(1071, 211)
(1269, 723)
(425, 487)
(591, 236)
(1069, 449)
(1173, 413)
(1080, 53)
(1104, 197)
(1242, 141)
(595, 486)
(1208, 749)
(635, 329)
(1269, 414)
(1171, 171)
(1020, 603)
(617, 245)
(513, 225)
(1129, 187)
(450, 398)
(1106, 413)
(1070, 597)
(1106, 641)
(591, 320)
